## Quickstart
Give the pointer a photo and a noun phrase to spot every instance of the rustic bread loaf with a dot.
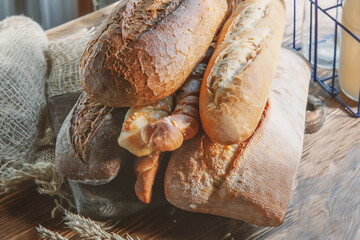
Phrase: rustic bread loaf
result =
(145, 53)
(238, 78)
(251, 181)
(86, 147)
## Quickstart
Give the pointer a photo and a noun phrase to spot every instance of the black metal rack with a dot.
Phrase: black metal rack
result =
(327, 82)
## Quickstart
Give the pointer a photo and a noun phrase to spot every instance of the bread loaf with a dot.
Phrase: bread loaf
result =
(145, 171)
(251, 181)
(136, 119)
(86, 147)
(145, 53)
(148, 129)
(237, 80)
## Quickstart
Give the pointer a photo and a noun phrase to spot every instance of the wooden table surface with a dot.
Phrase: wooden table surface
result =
(324, 204)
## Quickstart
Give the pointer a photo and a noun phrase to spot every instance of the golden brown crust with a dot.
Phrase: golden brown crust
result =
(145, 170)
(136, 119)
(166, 133)
(127, 66)
(251, 181)
(237, 81)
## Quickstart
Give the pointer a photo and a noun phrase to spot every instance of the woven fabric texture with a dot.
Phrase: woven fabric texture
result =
(65, 55)
(23, 68)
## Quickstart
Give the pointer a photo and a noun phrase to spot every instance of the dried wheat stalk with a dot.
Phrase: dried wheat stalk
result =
(48, 234)
(90, 229)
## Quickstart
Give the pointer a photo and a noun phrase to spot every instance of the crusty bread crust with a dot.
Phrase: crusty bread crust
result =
(86, 147)
(237, 81)
(251, 181)
(126, 65)
(148, 128)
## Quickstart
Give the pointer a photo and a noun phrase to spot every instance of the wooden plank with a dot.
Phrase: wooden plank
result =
(22, 210)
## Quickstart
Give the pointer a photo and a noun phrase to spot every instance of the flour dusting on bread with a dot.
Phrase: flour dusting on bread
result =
(141, 15)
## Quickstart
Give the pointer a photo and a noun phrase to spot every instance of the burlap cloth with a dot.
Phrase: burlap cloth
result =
(33, 69)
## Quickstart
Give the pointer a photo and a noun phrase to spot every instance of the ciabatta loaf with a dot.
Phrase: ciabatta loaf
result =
(251, 181)
(237, 81)
(145, 53)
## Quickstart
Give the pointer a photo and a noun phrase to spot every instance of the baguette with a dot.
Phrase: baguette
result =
(145, 53)
(238, 78)
(86, 148)
(251, 181)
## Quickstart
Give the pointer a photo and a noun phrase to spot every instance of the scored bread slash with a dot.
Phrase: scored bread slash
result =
(144, 53)
(86, 147)
(238, 79)
(247, 16)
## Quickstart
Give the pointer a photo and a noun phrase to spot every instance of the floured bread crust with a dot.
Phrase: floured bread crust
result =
(145, 53)
(86, 147)
(142, 15)
(251, 181)
(237, 81)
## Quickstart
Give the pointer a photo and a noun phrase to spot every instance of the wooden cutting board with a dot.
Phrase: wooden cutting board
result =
(325, 203)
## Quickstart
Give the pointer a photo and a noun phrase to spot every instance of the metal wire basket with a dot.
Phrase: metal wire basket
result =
(326, 82)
